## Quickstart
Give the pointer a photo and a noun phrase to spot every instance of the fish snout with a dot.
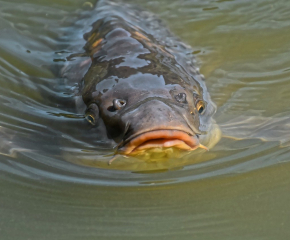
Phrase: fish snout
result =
(157, 125)
(156, 114)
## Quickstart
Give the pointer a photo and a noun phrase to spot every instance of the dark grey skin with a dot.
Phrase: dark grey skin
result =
(142, 78)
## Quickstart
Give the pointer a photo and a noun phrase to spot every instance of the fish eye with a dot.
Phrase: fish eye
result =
(119, 103)
(181, 97)
(90, 118)
(92, 113)
(200, 106)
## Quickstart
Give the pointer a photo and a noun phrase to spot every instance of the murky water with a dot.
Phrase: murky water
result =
(55, 182)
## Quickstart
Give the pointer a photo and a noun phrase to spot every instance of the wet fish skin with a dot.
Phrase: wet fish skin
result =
(135, 59)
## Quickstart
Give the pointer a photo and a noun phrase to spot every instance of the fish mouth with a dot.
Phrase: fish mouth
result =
(161, 139)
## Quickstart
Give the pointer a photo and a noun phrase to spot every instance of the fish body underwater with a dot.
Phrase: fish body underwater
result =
(142, 84)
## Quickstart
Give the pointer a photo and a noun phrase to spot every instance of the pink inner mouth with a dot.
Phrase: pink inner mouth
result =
(162, 139)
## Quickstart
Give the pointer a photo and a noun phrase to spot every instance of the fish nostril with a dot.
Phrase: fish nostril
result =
(181, 97)
(119, 103)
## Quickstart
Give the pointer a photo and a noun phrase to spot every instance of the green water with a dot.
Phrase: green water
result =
(237, 190)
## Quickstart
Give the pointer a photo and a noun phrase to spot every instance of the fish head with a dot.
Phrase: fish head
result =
(147, 112)
(149, 97)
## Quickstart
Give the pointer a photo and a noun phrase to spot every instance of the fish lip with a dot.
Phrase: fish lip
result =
(182, 129)
(188, 140)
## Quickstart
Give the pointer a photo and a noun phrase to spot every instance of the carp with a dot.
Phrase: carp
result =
(143, 85)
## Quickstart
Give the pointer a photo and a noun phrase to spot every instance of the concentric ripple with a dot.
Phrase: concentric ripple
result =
(44, 135)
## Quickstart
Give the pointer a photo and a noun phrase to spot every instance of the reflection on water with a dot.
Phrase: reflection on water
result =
(237, 190)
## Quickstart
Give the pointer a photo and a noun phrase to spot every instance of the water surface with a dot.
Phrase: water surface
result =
(55, 182)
